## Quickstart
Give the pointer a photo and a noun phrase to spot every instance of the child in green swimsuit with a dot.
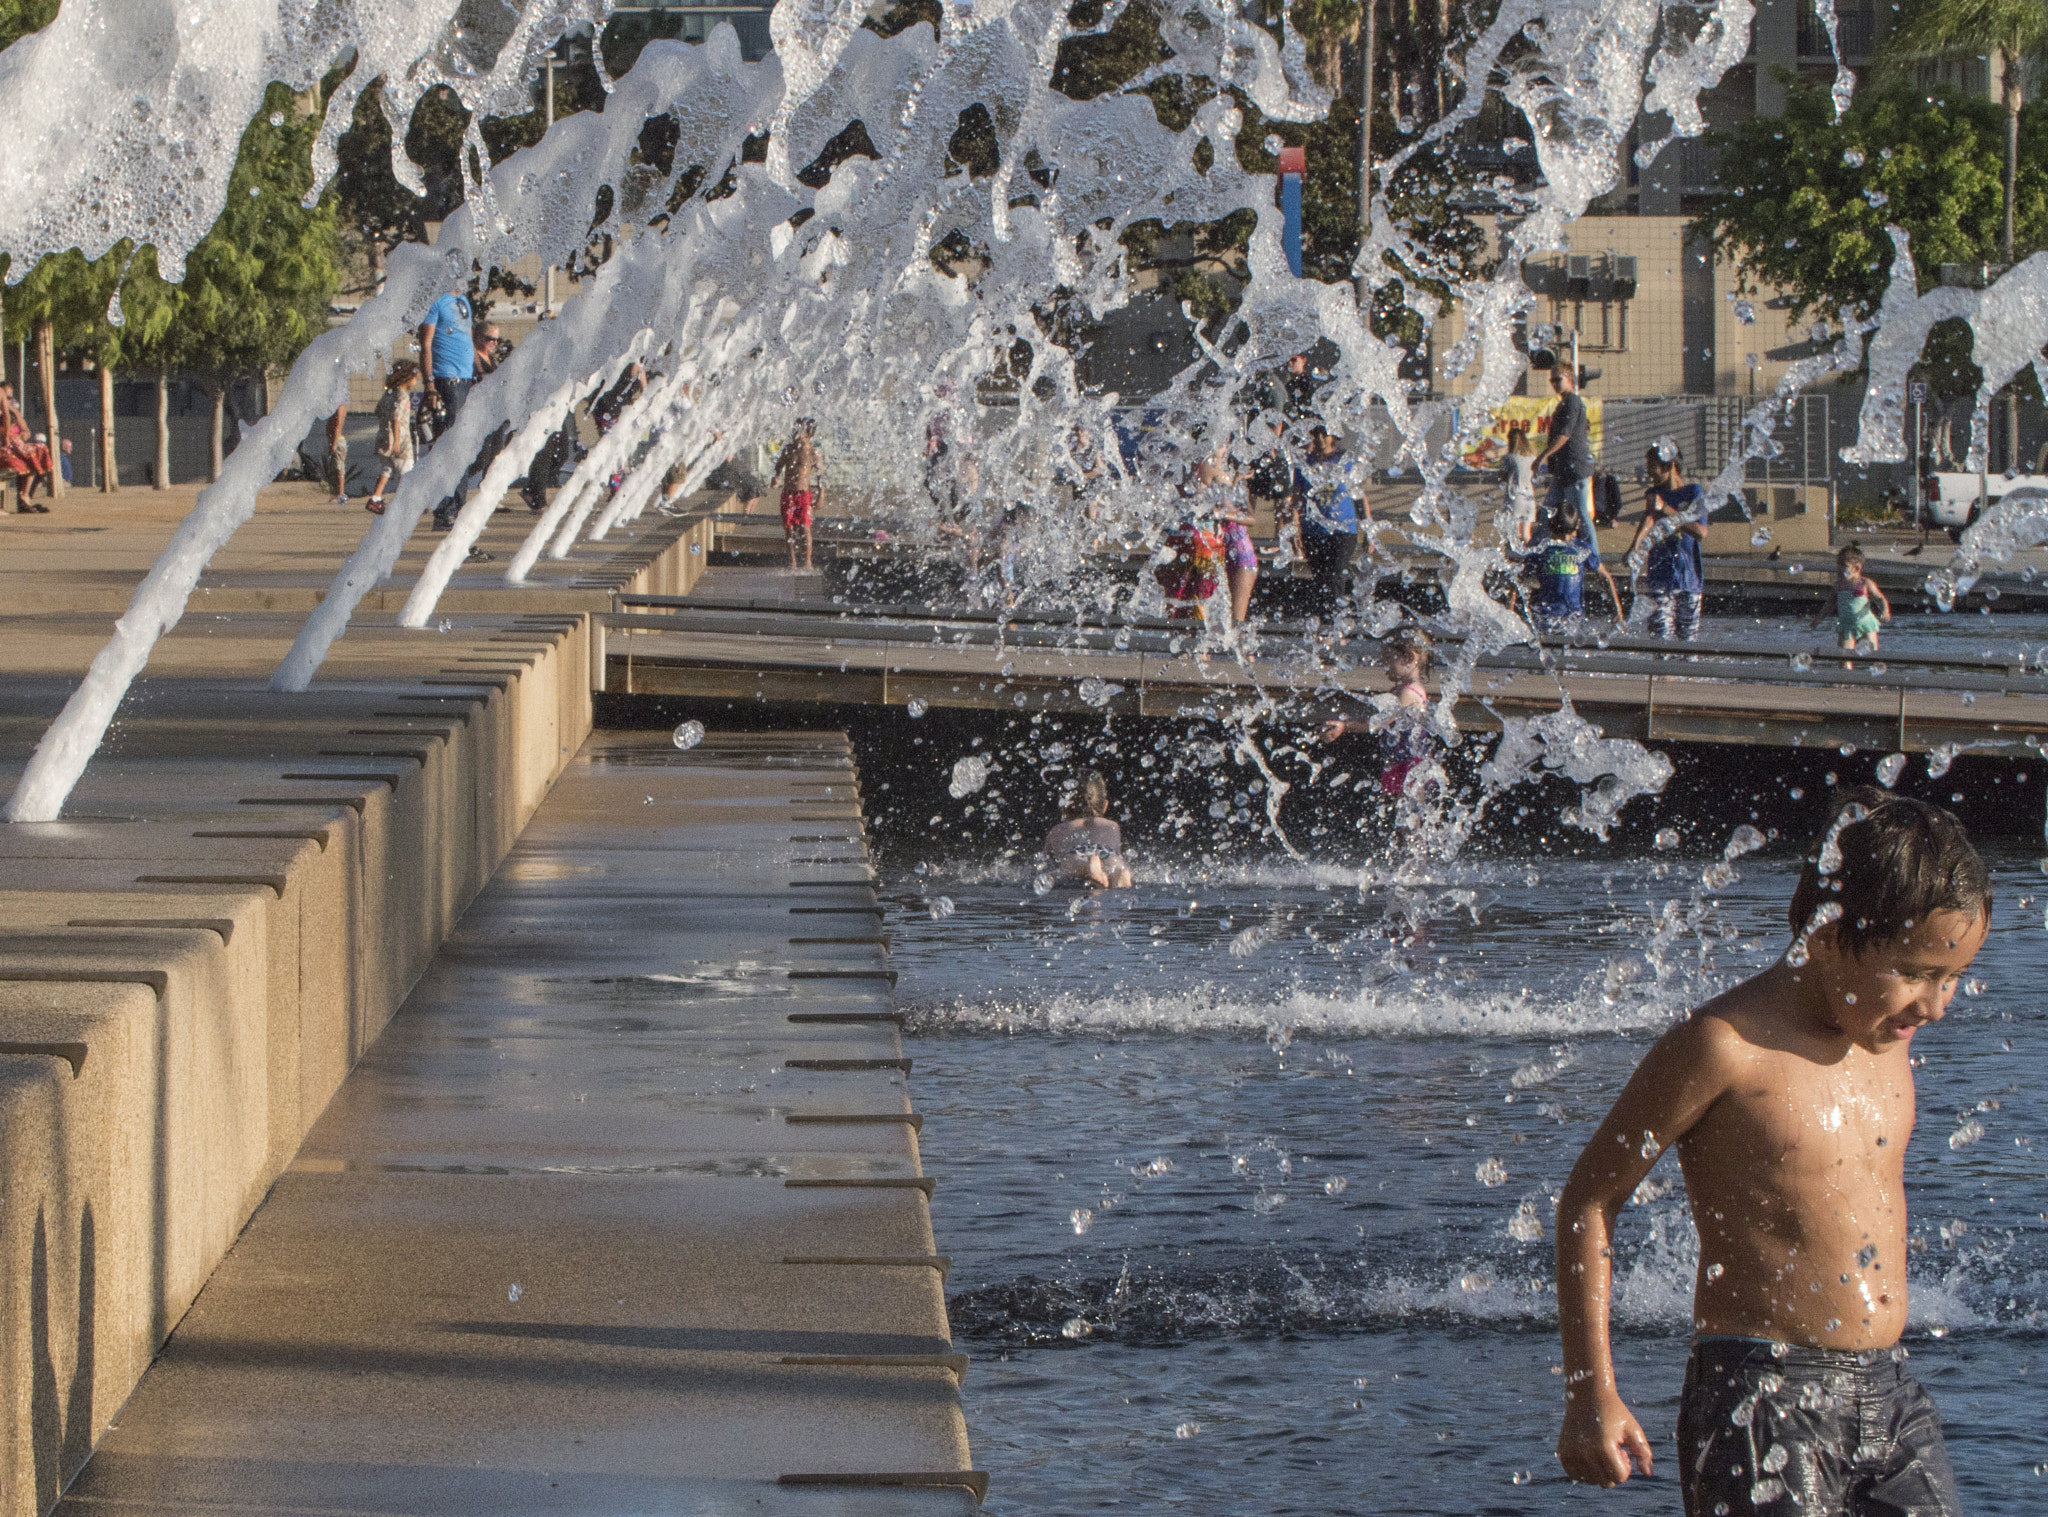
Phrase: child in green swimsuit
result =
(1855, 592)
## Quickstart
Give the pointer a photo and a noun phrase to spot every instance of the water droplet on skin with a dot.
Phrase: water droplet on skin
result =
(1649, 1147)
(689, 735)
(1716, 1271)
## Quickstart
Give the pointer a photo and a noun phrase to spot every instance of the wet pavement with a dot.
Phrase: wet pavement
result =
(624, 1210)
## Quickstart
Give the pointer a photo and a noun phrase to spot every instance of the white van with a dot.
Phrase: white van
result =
(1955, 500)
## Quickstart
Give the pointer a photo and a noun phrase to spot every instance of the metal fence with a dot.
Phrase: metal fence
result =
(1711, 429)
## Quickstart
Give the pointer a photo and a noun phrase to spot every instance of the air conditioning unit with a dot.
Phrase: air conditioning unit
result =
(1578, 276)
(1624, 280)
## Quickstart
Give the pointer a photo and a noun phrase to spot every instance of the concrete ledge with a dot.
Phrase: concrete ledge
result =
(250, 887)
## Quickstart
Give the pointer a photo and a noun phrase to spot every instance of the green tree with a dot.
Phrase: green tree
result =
(2014, 29)
(257, 286)
(20, 17)
(1805, 201)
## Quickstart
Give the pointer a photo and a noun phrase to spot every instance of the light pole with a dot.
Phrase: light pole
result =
(1365, 62)
(547, 299)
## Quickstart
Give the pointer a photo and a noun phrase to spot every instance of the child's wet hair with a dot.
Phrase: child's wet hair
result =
(1903, 861)
(1852, 554)
(1090, 796)
(1406, 645)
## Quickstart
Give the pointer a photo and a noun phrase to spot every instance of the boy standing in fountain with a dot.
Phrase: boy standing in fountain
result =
(797, 467)
(1790, 1098)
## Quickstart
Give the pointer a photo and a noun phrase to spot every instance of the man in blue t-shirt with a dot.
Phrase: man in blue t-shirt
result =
(448, 354)
(1559, 555)
(1328, 504)
(1673, 577)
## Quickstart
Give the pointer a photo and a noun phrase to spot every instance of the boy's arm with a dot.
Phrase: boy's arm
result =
(1613, 594)
(1684, 1074)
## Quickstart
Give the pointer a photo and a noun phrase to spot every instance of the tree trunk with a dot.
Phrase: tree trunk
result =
(110, 473)
(46, 360)
(220, 402)
(162, 481)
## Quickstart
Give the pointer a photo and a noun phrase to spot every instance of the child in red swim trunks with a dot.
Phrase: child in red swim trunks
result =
(1406, 741)
(797, 467)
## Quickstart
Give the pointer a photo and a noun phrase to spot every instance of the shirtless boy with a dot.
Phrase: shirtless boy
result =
(1790, 1098)
(797, 467)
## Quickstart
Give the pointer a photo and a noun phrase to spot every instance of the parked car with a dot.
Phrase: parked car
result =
(1956, 500)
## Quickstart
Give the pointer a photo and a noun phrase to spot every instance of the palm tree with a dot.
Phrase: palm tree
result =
(2013, 29)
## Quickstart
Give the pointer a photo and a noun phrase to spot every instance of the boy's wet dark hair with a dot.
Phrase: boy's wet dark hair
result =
(1901, 862)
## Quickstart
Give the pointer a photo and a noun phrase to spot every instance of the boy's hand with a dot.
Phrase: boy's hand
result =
(1602, 1443)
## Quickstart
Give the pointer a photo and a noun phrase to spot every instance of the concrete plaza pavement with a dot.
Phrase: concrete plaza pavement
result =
(535, 1256)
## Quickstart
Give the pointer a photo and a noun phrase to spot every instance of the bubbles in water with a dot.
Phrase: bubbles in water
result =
(1716, 1271)
(915, 707)
(1075, 1327)
(1938, 759)
(1491, 1172)
(1526, 1225)
(941, 907)
(1336, 1185)
(1475, 1280)
(969, 775)
(1097, 692)
(1187, 1430)
(689, 735)
(512, 1294)
(1803, 662)
(1775, 1458)
(1082, 1218)
(1667, 839)
(1649, 1148)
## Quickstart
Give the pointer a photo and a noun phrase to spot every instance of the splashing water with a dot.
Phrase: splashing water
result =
(689, 735)
(969, 775)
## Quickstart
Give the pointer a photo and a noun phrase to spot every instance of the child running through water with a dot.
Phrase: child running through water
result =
(1855, 622)
(1406, 743)
(1790, 1098)
(1088, 845)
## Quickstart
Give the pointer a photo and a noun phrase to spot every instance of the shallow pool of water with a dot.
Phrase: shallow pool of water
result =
(1247, 1175)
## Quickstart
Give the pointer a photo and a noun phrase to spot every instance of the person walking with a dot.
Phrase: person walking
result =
(797, 469)
(448, 352)
(337, 454)
(1672, 574)
(1328, 506)
(395, 452)
(1570, 454)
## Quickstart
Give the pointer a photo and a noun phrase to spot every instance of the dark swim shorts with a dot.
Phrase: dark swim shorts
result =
(1772, 1428)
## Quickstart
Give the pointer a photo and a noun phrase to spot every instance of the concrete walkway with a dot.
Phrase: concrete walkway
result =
(622, 1213)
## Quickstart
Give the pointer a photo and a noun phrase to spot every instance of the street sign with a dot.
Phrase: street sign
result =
(1917, 392)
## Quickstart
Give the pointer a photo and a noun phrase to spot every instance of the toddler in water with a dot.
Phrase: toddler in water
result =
(1855, 622)
(1406, 743)
(1790, 1098)
(1088, 845)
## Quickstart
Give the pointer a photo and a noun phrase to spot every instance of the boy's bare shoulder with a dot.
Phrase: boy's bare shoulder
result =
(1734, 1026)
